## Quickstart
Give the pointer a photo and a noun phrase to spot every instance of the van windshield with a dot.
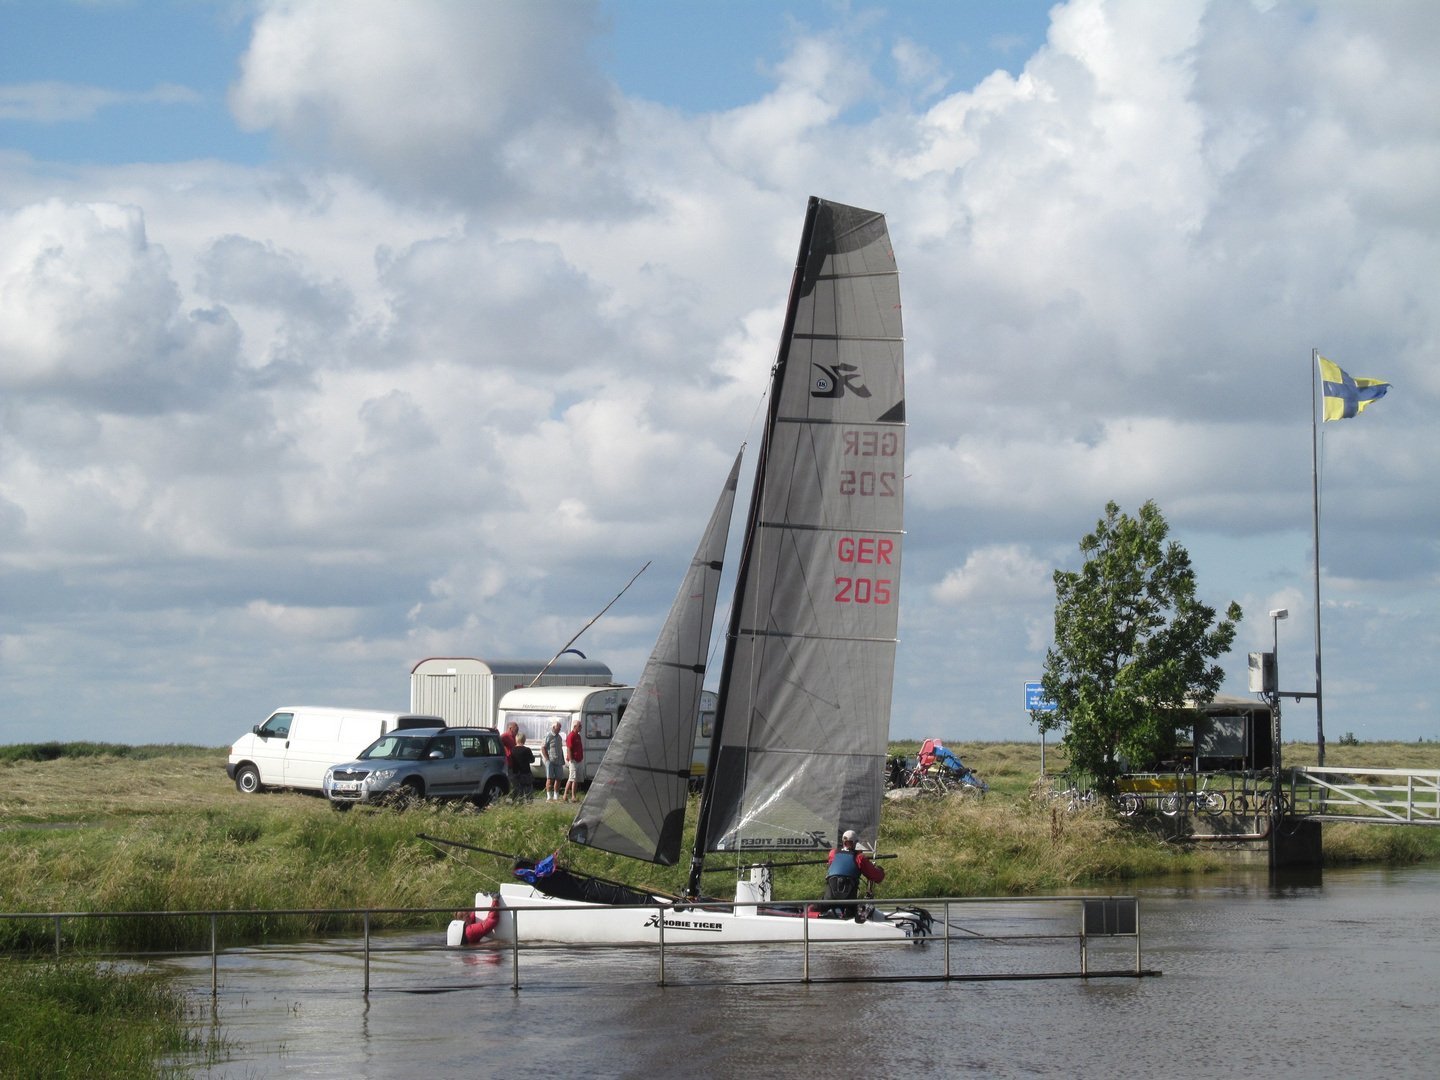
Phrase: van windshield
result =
(396, 748)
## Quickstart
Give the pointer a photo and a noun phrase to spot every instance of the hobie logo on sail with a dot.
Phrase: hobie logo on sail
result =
(832, 382)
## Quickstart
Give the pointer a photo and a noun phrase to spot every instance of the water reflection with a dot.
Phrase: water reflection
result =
(1299, 973)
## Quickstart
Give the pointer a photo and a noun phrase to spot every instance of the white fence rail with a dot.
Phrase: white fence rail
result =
(1375, 796)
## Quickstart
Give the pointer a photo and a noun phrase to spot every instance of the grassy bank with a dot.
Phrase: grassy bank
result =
(85, 1020)
(170, 832)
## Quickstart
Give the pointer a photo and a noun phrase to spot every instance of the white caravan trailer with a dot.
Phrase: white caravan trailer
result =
(600, 711)
(295, 746)
(466, 692)
(703, 730)
(598, 708)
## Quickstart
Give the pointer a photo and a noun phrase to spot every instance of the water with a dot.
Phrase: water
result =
(1316, 977)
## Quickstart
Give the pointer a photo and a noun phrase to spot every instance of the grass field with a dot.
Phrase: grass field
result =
(170, 832)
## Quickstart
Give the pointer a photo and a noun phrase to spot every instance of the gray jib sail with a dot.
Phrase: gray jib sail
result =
(805, 711)
(636, 804)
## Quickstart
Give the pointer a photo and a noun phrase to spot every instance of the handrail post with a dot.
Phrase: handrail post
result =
(1410, 797)
(805, 976)
(367, 955)
(57, 938)
(1084, 951)
(1137, 936)
(661, 923)
(515, 950)
(214, 960)
(947, 939)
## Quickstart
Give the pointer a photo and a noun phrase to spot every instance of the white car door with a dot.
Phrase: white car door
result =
(268, 749)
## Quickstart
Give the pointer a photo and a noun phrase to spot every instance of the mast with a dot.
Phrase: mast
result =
(1315, 522)
(732, 633)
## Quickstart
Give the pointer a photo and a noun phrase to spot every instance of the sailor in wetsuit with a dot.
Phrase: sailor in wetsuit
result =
(847, 864)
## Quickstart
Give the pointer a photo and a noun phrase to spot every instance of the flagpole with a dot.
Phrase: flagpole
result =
(1315, 520)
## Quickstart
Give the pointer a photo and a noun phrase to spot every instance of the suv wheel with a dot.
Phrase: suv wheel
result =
(495, 790)
(411, 793)
(247, 779)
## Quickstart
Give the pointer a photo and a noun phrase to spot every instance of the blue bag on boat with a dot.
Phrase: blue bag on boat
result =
(544, 868)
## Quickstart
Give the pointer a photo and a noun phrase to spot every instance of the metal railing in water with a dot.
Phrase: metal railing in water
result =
(1373, 796)
(1102, 918)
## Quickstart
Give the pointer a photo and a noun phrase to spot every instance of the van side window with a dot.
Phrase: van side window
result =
(278, 726)
(599, 725)
(444, 743)
(472, 746)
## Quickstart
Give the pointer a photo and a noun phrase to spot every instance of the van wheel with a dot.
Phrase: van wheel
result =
(247, 779)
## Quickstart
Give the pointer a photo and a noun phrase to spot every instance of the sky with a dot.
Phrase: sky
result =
(336, 336)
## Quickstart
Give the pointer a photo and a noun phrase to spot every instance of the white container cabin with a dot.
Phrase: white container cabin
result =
(466, 692)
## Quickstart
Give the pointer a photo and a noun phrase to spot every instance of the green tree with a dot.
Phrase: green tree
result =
(1133, 646)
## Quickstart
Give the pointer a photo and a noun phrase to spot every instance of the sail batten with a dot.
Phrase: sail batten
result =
(636, 803)
(804, 710)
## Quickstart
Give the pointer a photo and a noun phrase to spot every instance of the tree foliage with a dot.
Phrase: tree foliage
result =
(1133, 646)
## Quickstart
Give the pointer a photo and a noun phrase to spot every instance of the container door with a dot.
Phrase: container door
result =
(268, 752)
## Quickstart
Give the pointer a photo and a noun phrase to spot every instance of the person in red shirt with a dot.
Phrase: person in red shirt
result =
(847, 864)
(574, 757)
(508, 741)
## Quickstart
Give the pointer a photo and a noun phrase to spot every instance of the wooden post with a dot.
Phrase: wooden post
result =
(367, 955)
(214, 961)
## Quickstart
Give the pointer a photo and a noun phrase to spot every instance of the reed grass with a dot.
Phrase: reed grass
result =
(85, 1020)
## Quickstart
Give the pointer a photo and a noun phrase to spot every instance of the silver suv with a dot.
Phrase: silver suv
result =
(423, 763)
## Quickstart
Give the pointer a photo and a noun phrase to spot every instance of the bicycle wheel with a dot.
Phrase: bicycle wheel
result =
(1129, 805)
(1239, 804)
(1212, 802)
(1170, 805)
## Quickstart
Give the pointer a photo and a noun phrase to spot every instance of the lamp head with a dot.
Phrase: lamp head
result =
(1280, 613)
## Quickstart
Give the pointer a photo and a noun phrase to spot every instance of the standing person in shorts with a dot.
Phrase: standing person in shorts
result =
(522, 781)
(575, 758)
(552, 752)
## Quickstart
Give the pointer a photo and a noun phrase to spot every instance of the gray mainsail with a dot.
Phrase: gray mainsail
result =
(804, 710)
(636, 803)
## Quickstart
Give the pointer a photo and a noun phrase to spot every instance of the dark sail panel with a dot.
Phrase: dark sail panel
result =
(636, 804)
(805, 712)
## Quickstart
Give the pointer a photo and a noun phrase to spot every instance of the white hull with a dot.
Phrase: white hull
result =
(544, 918)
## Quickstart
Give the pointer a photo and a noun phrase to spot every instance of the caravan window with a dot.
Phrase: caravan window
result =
(536, 725)
(707, 725)
(599, 725)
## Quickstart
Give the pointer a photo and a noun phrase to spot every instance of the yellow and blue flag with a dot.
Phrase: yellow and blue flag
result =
(1346, 396)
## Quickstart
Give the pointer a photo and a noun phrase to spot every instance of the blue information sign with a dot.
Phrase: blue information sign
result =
(1035, 699)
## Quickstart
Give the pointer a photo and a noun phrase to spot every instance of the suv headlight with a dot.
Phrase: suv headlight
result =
(379, 776)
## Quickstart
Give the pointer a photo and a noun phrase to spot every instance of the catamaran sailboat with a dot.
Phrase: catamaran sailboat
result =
(803, 711)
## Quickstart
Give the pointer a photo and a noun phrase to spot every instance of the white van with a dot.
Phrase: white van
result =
(598, 708)
(299, 742)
